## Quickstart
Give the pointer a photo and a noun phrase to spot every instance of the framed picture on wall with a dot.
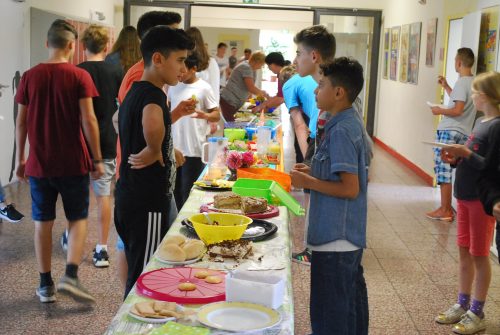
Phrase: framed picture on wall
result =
(394, 52)
(387, 47)
(430, 48)
(487, 51)
(403, 58)
(414, 52)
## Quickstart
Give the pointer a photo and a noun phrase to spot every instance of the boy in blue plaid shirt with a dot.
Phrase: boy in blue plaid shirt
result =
(454, 128)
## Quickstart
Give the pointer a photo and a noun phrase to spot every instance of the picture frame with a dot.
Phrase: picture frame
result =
(414, 52)
(395, 31)
(430, 48)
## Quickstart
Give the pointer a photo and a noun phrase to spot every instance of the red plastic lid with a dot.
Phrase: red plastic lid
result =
(162, 285)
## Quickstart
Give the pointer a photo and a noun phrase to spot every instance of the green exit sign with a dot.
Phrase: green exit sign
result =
(250, 1)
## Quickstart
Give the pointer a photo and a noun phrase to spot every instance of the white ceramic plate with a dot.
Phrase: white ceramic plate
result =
(190, 261)
(238, 316)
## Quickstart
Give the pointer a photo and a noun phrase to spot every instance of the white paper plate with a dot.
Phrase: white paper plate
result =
(190, 261)
(155, 320)
(238, 316)
(436, 144)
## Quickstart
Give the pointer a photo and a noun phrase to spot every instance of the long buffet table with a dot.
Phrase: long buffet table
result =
(279, 245)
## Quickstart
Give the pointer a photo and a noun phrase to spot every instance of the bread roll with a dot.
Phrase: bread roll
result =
(202, 274)
(172, 253)
(175, 239)
(193, 249)
(213, 279)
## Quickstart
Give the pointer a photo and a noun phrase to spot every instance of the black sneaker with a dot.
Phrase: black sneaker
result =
(64, 240)
(101, 259)
(11, 214)
(72, 287)
(46, 293)
(303, 257)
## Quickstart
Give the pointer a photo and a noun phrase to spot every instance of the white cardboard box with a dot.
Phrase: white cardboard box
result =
(258, 288)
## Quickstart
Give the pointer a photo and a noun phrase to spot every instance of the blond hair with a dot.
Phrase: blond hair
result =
(95, 38)
(489, 84)
(258, 57)
(286, 73)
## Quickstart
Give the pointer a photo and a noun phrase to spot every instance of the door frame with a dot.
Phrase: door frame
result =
(317, 12)
(377, 28)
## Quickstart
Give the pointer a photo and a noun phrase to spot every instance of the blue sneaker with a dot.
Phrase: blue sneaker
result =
(46, 293)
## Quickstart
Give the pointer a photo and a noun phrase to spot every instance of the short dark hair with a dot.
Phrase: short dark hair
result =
(156, 18)
(275, 58)
(345, 72)
(234, 48)
(247, 51)
(192, 60)
(164, 40)
(318, 38)
(221, 45)
(60, 33)
(466, 55)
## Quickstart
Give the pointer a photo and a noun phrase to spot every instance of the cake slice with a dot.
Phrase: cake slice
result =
(227, 200)
(251, 205)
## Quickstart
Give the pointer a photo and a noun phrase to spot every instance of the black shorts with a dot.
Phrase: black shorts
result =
(142, 228)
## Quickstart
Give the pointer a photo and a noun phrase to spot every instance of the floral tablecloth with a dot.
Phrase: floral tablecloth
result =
(279, 245)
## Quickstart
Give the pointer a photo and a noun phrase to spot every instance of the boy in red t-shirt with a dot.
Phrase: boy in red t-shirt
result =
(55, 113)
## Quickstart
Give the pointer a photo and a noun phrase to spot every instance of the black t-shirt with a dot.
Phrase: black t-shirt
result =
(151, 184)
(468, 170)
(107, 79)
(232, 62)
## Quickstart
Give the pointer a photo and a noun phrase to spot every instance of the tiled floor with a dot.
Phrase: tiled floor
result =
(410, 265)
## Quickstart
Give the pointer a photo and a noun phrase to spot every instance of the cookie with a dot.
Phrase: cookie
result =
(202, 274)
(186, 287)
(213, 279)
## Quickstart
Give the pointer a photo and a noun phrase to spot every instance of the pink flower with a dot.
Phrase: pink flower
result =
(247, 158)
(234, 160)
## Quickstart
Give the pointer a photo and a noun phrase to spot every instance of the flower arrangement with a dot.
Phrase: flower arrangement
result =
(236, 159)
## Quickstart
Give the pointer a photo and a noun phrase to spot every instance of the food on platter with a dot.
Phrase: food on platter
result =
(237, 249)
(193, 249)
(172, 252)
(175, 239)
(214, 183)
(177, 248)
(227, 200)
(186, 286)
(157, 310)
(213, 279)
(202, 274)
(248, 205)
(253, 205)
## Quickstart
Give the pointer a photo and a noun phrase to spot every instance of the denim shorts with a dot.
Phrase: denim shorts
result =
(120, 246)
(74, 192)
(102, 186)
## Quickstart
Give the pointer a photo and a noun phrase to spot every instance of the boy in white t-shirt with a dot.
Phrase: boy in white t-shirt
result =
(189, 132)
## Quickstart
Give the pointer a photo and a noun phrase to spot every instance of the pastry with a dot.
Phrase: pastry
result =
(159, 306)
(156, 310)
(175, 239)
(253, 205)
(172, 253)
(145, 309)
(186, 286)
(213, 279)
(231, 249)
(193, 249)
(227, 200)
(202, 274)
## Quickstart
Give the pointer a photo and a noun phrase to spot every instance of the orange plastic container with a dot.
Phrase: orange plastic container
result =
(266, 173)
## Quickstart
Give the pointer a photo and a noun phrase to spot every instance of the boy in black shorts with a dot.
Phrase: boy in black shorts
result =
(142, 191)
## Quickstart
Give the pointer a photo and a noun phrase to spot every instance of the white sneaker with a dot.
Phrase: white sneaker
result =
(470, 324)
(452, 315)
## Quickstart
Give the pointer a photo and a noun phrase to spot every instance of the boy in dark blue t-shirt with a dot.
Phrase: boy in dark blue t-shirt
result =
(337, 179)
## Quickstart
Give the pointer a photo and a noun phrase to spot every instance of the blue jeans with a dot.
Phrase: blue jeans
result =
(339, 299)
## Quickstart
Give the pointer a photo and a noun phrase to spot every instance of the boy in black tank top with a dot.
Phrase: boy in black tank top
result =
(142, 191)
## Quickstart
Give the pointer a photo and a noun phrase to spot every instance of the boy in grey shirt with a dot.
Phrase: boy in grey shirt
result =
(454, 128)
